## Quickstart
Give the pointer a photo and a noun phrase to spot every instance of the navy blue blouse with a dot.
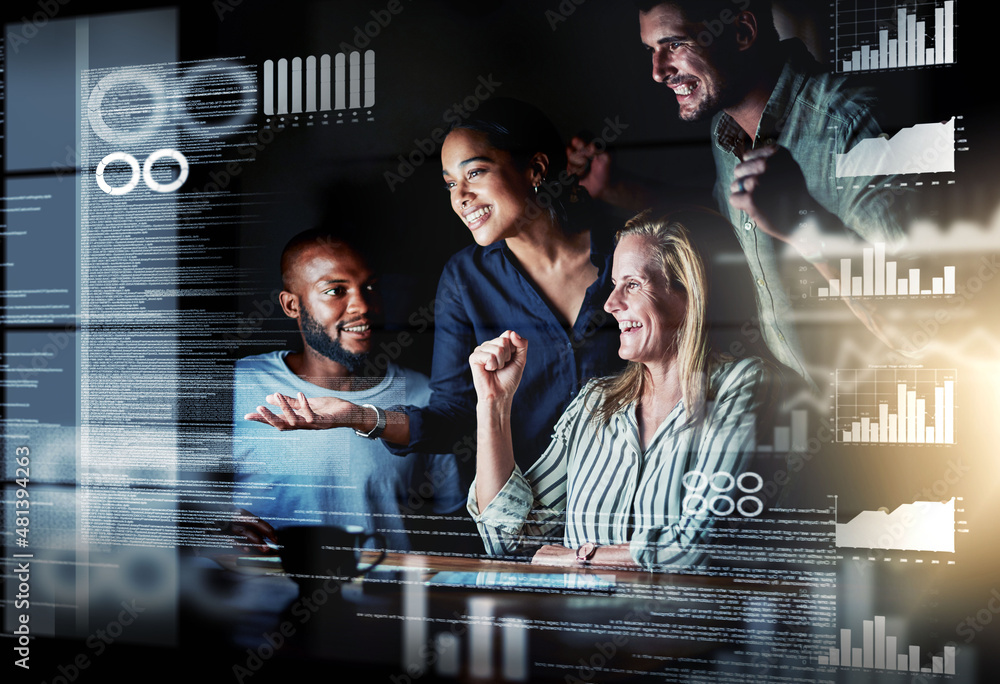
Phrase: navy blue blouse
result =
(483, 292)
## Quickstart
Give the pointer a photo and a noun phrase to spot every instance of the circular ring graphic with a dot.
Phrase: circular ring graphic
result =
(730, 504)
(147, 170)
(727, 477)
(202, 79)
(745, 476)
(686, 508)
(699, 477)
(760, 506)
(122, 157)
(156, 96)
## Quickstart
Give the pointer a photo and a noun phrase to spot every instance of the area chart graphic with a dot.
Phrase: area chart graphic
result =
(917, 526)
(923, 148)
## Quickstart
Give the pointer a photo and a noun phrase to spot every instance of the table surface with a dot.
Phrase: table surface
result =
(433, 564)
(403, 609)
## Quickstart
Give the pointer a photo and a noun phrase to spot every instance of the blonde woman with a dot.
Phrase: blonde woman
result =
(611, 487)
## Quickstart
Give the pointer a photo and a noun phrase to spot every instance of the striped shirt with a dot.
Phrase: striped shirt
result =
(595, 484)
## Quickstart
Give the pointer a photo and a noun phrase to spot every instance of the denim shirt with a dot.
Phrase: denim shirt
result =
(483, 292)
(815, 115)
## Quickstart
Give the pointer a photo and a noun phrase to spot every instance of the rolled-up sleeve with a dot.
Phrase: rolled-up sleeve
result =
(530, 509)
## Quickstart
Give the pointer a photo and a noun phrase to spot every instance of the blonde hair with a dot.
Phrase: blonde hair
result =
(683, 270)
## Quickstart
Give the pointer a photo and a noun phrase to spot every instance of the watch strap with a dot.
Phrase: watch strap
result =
(379, 428)
(586, 551)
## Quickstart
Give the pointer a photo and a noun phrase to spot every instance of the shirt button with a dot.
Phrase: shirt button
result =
(781, 337)
(760, 281)
(748, 225)
(770, 141)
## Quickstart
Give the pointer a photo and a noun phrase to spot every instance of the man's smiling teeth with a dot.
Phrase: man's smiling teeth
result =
(357, 328)
(685, 89)
(478, 214)
(628, 325)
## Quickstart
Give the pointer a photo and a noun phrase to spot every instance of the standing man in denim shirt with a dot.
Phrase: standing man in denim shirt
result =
(779, 120)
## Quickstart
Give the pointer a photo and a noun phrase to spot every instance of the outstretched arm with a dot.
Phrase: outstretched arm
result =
(324, 413)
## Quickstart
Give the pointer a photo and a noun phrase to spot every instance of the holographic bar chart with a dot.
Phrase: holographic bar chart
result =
(790, 438)
(890, 406)
(894, 35)
(880, 278)
(880, 651)
(323, 84)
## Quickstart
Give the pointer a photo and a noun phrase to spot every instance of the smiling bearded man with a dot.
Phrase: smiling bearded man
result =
(779, 122)
(332, 477)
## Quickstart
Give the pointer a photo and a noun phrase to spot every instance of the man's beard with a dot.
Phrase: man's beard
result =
(319, 340)
(722, 95)
(710, 104)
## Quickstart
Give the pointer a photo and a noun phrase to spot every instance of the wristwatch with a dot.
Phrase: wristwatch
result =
(379, 423)
(586, 552)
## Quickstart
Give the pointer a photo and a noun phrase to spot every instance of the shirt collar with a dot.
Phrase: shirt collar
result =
(601, 246)
(799, 65)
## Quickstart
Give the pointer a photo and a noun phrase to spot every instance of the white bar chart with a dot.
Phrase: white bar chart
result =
(880, 651)
(889, 406)
(880, 278)
(790, 438)
(299, 86)
(877, 35)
